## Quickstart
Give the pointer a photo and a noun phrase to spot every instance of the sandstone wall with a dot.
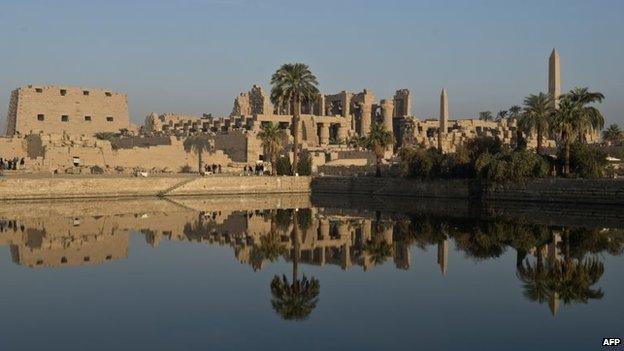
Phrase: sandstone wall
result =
(55, 109)
(24, 188)
(243, 185)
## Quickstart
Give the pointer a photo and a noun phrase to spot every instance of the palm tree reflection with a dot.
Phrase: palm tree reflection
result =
(294, 300)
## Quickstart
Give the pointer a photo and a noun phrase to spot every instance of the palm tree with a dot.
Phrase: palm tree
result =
(378, 140)
(294, 83)
(538, 110)
(564, 123)
(198, 144)
(486, 116)
(272, 138)
(613, 134)
(589, 117)
(514, 111)
(297, 300)
(501, 114)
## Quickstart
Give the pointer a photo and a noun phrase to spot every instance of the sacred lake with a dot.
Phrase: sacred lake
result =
(306, 273)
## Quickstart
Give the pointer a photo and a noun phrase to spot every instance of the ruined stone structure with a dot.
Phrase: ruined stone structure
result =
(446, 134)
(72, 110)
(402, 103)
(253, 102)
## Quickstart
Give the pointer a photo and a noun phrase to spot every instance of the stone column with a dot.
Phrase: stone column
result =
(321, 106)
(366, 230)
(365, 119)
(346, 104)
(346, 256)
(324, 134)
(343, 230)
(387, 107)
(324, 228)
(342, 131)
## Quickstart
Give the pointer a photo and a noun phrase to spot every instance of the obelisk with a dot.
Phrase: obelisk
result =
(554, 77)
(443, 111)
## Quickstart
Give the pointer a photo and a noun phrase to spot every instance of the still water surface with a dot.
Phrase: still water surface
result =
(233, 273)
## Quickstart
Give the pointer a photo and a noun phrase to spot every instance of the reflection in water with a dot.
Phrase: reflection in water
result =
(295, 301)
(554, 264)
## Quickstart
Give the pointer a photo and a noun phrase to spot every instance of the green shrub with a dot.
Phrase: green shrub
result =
(283, 166)
(304, 167)
(430, 164)
(586, 161)
(480, 145)
(417, 162)
(511, 166)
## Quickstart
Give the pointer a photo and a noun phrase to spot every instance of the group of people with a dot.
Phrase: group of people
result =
(212, 169)
(11, 163)
(258, 169)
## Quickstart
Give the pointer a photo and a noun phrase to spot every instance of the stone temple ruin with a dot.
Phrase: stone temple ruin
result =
(53, 128)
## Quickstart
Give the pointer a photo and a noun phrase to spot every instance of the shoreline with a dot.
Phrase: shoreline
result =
(604, 192)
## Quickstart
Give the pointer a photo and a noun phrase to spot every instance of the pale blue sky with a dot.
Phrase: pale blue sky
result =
(195, 56)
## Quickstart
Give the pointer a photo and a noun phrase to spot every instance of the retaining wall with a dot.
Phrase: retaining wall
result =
(26, 188)
(553, 190)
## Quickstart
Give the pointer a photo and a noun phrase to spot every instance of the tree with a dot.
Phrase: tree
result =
(514, 111)
(272, 138)
(613, 134)
(501, 114)
(486, 116)
(297, 300)
(589, 118)
(378, 140)
(575, 118)
(294, 84)
(538, 110)
(564, 123)
(198, 144)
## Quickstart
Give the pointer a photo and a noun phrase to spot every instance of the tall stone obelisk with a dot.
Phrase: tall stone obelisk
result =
(443, 120)
(554, 77)
(443, 112)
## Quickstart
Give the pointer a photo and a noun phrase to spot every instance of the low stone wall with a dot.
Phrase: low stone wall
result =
(555, 190)
(243, 185)
(28, 188)
(456, 188)
(589, 191)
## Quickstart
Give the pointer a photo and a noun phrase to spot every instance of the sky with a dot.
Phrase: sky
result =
(194, 57)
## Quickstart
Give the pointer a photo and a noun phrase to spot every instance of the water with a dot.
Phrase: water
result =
(199, 274)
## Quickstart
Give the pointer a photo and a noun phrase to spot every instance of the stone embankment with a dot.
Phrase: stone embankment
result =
(29, 188)
(552, 190)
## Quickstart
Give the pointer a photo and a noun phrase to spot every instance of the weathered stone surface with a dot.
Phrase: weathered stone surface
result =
(58, 109)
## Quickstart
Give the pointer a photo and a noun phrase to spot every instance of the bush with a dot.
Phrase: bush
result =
(97, 170)
(304, 168)
(186, 169)
(483, 144)
(511, 166)
(429, 164)
(283, 166)
(586, 161)
(417, 162)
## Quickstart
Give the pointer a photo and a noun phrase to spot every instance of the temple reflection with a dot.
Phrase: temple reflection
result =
(554, 264)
